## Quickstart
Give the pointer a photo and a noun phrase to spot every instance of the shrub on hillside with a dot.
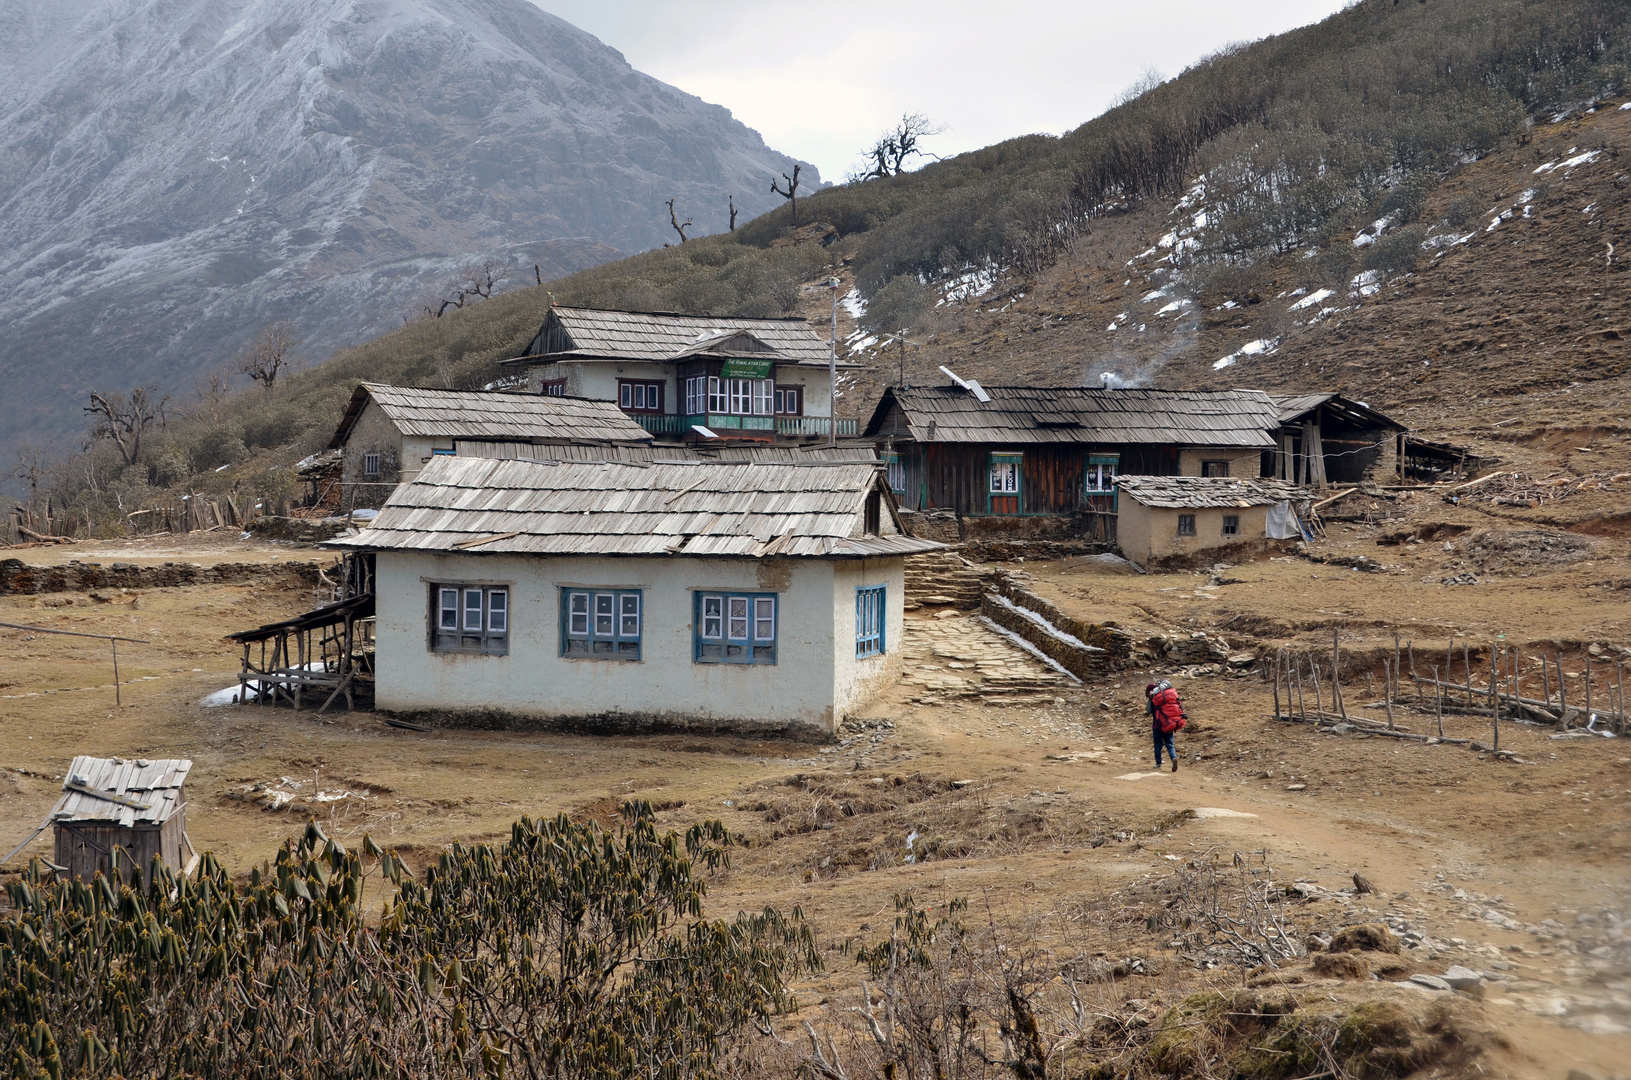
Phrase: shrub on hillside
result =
(565, 952)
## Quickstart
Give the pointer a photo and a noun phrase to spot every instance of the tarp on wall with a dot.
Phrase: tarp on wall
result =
(1282, 522)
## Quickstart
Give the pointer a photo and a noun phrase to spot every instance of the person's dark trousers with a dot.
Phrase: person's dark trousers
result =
(1163, 739)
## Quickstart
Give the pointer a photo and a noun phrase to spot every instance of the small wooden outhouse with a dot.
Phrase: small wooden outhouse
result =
(138, 807)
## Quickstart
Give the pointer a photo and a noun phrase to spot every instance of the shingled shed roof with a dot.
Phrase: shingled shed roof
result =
(663, 337)
(1070, 414)
(499, 507)
(1295, 409)
(1203, 492)
(659, 452)
(483, 414)
(121, 791)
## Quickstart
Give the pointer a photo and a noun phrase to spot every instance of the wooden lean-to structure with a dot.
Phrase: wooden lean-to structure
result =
(321, 656)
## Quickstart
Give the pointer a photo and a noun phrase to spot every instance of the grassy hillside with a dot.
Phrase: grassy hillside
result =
(1258, 164)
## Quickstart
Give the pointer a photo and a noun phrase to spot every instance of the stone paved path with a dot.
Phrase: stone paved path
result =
(953, 655)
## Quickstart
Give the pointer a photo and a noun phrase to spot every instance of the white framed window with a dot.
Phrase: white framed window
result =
(869, 621)
(764, 394)
(370, 464)
(696, 395)
(789, 400)
(717, 401)
(734, 628)
(640, 396)
(1101, 474)
(1005, 474)
(601, 624)
(470, 618)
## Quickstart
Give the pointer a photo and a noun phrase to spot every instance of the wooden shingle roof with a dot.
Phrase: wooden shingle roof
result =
(662, 337)
(485, 414)
(790, 455)
(1203, 492)
(1296, 408)
(1069, 414)
(142, 791)
(485, 506)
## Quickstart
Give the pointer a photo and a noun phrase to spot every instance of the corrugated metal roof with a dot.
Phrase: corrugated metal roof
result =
(489, 506)
(1202, 492)
(1070, 414)
(665, 336)
(741, 454)
(155, 786)
(483, 414)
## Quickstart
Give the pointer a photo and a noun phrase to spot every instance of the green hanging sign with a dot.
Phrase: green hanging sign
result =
(746, 369)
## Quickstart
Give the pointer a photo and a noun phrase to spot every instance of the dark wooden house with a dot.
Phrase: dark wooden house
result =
(1325, 439)
(135, 807)
(1026, 451)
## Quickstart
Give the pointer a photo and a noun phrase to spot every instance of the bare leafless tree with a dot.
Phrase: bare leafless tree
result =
(33, 465)
(125, 418)
(674, 220)
(475, 283)
(212, 390)
(267, 357)
(790, 192)
(888, 156)
(731, 199)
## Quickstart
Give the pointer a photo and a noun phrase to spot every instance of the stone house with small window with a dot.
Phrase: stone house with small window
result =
(630, 595)
(388, 433)
(691, 377)
(1175, 520)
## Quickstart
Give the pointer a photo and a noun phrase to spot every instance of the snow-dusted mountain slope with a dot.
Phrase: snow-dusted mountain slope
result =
(175, 174)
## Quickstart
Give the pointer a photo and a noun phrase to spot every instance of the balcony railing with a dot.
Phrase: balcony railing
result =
(794, 426)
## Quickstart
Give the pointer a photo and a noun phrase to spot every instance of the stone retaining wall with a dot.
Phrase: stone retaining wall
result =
(18, 578)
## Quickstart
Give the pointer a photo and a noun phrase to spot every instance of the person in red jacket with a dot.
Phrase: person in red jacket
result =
(1167, 718)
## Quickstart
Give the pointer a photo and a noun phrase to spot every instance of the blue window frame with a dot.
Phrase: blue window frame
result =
(734, 628)
(443, 453)
(869, 621)
(601, 624)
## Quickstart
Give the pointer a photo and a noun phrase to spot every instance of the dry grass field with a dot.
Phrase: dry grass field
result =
(1038, 803)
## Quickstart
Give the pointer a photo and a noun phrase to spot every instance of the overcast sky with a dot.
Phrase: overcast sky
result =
(821, 80)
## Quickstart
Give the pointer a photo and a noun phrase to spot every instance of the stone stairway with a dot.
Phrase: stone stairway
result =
(956, 656)
(944, 579)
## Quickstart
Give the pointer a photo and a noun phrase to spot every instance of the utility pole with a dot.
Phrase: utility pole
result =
(832, 371)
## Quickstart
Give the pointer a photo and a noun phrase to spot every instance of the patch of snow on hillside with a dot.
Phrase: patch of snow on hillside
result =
(1260, 347)
(1568, 163)
(1376, 229)
(1312, 298)
(969, 286)
(1366, 284)
(853, 303)
(1176, 305)
(1155, 294)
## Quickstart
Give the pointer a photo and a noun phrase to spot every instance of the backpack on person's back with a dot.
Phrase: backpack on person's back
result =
(1169, 711)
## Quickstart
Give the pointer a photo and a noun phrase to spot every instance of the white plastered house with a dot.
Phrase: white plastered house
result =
(636, 596)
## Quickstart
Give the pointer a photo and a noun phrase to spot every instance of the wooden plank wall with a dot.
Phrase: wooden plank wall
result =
(958, 473)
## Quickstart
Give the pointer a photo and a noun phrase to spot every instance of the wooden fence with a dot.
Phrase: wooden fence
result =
(189, 513)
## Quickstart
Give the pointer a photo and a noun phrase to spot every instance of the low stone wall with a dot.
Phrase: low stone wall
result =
(298, 530)
(1112, 639)
(988, 550)
(18, 578)
(1096, 650)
